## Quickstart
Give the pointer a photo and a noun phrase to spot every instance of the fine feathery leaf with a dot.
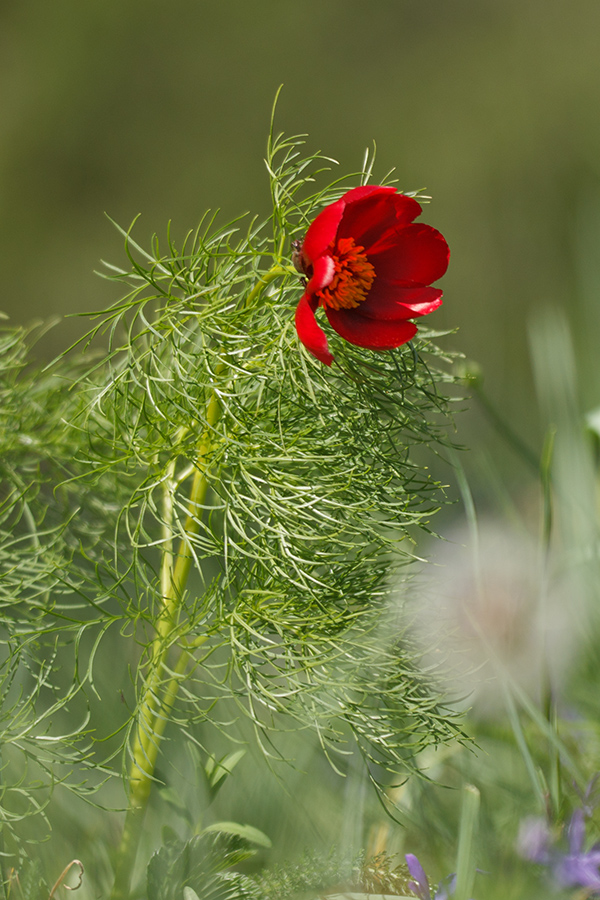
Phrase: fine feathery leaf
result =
(218, 512)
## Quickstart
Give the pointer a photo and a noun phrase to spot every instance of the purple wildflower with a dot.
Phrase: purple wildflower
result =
(533, 841)
(576, 867)
(420, 886)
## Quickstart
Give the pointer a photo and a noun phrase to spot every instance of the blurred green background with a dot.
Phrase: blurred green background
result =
(140, 106)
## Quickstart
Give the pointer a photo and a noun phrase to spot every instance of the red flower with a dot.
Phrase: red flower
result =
(369, 266)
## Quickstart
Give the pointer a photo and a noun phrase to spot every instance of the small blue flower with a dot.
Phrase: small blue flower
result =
(420, 886)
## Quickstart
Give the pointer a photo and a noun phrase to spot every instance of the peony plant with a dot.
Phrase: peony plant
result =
(221, 519)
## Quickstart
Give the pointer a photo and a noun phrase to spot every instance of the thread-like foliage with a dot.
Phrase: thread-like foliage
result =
(205, 441)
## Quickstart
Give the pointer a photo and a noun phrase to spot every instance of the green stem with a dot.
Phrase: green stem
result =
(157, 697)
(141, 782)
(548, 699)
(154, 711)
(271, 275)
(465, 858)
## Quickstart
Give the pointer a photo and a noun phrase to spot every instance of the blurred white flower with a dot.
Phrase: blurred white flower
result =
(489, 609)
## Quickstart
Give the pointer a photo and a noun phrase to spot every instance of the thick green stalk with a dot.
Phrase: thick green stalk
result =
(157, 698)
(465, 858)
(271, 275)
(154, 709)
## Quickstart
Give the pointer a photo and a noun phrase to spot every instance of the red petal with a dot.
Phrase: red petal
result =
(324, 228)
(370, 218)
(373, 334)
(311, 334)
(365, 190)
(323, 271)
(419, 254)
(391, 302)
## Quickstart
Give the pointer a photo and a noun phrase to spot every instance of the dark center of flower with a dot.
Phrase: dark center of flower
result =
(352, 278)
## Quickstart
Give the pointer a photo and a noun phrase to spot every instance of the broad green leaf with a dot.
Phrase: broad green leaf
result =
(247, 832)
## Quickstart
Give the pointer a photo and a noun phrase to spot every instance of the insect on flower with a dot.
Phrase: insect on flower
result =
(370, 267)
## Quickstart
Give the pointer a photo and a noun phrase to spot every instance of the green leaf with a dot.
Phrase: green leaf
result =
(190, 894)
(200, 864)
(217, 771)
(247, 832)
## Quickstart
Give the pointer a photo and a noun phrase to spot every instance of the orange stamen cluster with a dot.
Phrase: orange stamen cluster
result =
(352, 279)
